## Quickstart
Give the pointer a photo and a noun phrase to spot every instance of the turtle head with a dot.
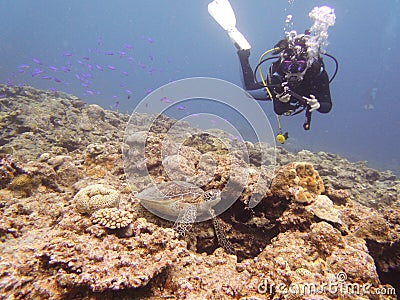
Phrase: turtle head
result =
(213, 195)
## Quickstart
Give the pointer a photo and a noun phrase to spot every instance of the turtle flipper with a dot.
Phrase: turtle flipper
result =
(185, 220)
(222, 240)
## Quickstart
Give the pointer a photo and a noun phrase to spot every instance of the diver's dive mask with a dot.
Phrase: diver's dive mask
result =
(294, 58)
(294, 70)
(294, 66)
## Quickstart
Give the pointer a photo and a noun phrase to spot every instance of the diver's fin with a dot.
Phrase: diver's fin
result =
(238, 39)
(223, 14)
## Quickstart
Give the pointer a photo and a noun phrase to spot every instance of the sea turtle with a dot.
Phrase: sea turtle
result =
(184, 202)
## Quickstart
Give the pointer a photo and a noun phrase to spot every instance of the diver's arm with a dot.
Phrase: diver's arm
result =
(248, 74)
(259, 94)
(274, 79)
(323, 93)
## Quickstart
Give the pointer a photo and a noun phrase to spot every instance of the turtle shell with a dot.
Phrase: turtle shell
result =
(169, 198)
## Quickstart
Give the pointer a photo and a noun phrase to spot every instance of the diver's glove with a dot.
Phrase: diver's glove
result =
(284, 97)
(312, 103)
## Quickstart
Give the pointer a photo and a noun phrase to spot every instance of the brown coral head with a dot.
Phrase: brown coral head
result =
(298, 181)
(94, 197)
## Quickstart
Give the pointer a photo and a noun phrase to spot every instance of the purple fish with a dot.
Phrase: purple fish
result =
(99, 68)
(109, 53)
(111, 67)
(53, 68)
(128, 92)
(90, 92)
(128, 46)
(86, 58)
(46, 77)
(125, 73)
(37, 72)
(87, 75)
(65, 69)
(56, 79)
(67, 54)
(121, 54)
(181, 107)
(90, 67)
(149, 91)
(23, 66)
(35, 60)
(165, 100)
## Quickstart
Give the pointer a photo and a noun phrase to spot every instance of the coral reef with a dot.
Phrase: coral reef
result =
(71, 229)
(112, 218)
(323, 209)
(300, 180)
(23, 184)
(8, 169)
(110, 263)
(94, 197)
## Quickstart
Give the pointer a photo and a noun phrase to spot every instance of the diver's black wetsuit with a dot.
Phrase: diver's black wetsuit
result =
(315, 82)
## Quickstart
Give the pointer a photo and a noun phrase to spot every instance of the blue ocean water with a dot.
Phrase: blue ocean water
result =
(113, 53)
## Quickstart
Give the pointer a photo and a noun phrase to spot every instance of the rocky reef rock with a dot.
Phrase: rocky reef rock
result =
(321, 221)
(109, 262)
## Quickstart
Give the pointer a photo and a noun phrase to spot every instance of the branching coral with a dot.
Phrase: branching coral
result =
(112, 218)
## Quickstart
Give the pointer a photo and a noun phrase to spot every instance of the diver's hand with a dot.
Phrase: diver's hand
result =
(312, 102)
(284, 97)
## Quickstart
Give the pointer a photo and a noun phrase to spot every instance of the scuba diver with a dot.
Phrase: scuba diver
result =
(297, 80)
(295, 84)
